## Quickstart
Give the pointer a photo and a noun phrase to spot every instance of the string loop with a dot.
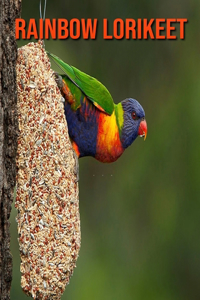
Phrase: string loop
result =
(44, 10)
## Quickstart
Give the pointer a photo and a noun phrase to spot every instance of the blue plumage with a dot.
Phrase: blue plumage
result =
(131, 126)
(83, 126)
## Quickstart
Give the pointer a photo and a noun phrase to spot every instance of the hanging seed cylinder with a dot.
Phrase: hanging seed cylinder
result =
(47, 189)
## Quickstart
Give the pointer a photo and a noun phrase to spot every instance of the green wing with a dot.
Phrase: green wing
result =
(91, 87)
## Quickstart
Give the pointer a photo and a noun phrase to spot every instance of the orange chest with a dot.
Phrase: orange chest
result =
(108, 147)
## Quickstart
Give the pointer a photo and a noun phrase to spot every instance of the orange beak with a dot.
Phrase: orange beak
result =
(142, 131)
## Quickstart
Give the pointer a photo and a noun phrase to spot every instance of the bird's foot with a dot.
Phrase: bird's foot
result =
(76, 166)
(58, 80)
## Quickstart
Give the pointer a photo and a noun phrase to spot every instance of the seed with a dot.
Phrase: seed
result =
(38, 142)
(32, 85)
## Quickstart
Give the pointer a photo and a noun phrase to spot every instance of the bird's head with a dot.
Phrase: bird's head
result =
(134, 122)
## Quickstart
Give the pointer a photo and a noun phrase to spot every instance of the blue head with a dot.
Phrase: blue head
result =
(134, 122)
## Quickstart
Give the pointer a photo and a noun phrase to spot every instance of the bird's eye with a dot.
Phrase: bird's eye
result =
(134, 115)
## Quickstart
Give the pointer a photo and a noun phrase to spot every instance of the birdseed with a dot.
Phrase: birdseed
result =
(47, 189)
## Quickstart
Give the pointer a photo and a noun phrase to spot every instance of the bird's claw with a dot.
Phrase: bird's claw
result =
(58, 80)
(76, 166)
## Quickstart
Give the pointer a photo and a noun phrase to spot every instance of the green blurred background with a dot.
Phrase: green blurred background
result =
(140, 215)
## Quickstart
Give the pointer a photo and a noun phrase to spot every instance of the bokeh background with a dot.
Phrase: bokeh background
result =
(140, 216)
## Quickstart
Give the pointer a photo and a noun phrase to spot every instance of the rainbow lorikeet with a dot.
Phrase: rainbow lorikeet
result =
(98, 127)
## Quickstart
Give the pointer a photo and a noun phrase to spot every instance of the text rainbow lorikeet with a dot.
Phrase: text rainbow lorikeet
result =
(97, 126)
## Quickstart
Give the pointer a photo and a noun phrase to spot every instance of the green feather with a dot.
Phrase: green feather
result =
(75, 91)
(119, 113)
(94, 90)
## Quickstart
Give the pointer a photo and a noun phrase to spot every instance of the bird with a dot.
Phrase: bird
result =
(97, 126)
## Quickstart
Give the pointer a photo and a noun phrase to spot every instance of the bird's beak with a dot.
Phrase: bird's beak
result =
(142, 131)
